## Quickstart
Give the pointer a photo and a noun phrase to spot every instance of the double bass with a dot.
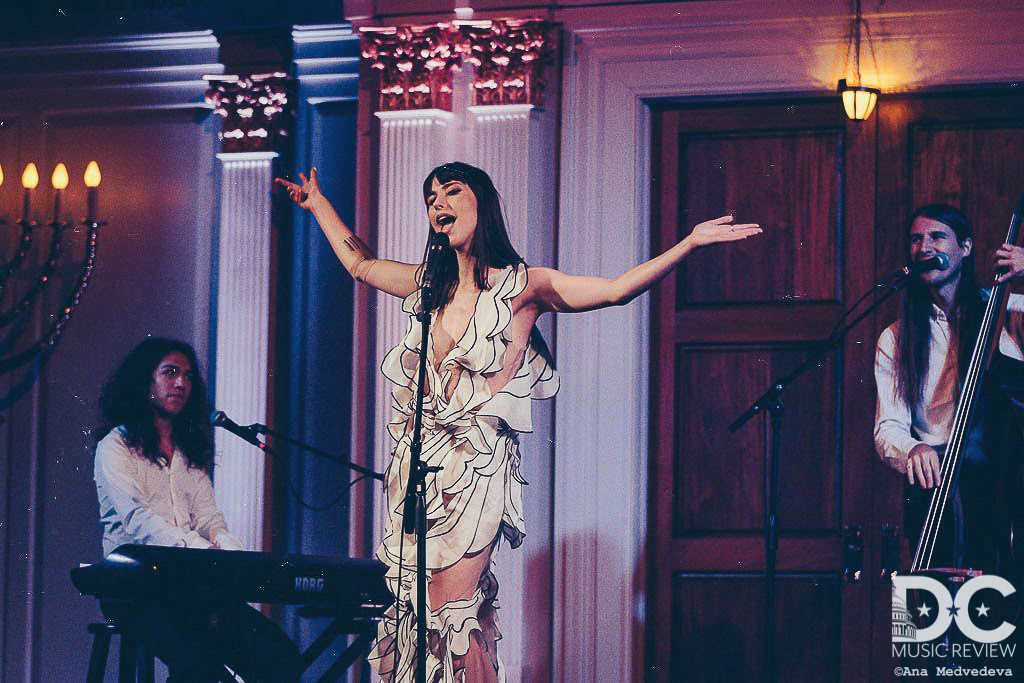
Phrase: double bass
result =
(981, 532)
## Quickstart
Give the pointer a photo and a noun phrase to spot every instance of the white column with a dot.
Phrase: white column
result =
(243, 332)
(501, 147)
(412, 143)
(512, 144)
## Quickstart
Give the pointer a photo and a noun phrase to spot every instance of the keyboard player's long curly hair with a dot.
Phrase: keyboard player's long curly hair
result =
(125, 402)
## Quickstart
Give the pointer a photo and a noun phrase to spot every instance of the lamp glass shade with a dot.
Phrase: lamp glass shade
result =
(859, 102)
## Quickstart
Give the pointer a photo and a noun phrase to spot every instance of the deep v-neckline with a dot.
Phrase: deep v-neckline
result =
(456, 343)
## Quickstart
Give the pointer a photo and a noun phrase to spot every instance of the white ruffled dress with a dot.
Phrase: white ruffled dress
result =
(477, 495)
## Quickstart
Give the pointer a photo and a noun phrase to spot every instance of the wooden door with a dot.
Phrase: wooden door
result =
(733, 319)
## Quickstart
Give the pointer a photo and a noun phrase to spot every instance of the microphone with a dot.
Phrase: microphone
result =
(220, 419)
(439, 246)
(938, 262)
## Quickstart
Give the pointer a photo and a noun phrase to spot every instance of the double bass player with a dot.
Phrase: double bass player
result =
(920, 364)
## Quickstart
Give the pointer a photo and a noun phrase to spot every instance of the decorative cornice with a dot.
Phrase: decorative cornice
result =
(256, 110)
(127, 73)
(416, 62)
(229, 157)
(501, 109)
(324, 33)
(151, 42)
(410, 114)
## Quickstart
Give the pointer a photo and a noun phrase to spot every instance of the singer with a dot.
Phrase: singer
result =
(153, 457)
(486, 361)
(921, 359)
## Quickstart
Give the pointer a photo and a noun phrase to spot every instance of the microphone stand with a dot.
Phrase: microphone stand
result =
(414, 513)
(414, 510)
(771, 401)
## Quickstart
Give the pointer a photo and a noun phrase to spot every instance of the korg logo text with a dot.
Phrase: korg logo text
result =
(309, 584)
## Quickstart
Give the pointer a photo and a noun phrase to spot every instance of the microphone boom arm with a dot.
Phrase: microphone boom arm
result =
(249, 433)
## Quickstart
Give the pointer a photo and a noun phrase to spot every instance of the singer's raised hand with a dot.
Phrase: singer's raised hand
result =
(305, 194)
(722, 230)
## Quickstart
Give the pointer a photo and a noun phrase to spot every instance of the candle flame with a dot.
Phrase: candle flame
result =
(30, 178)
(60, 177)
(1, 175)
(92, 174)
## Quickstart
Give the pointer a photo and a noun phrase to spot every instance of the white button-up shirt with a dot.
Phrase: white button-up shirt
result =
(898, 428)
(155, 504)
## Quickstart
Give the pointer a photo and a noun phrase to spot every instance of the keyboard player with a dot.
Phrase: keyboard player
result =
(152, 471)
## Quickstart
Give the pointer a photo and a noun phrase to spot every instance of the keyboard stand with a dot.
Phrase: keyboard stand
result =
(364, 631)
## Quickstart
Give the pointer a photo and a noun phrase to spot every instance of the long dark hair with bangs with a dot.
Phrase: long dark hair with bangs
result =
(915, 317)
(125, 402)
(490, 247)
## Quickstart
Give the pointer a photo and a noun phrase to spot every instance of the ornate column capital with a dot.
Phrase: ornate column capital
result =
(256, 110)
(415, 63)
(509, 56)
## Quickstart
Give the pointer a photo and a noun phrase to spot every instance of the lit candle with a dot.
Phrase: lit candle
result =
(92, 181)
(60, 181)
(29, 180)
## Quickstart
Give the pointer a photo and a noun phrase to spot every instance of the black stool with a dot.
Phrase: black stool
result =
(135, 664)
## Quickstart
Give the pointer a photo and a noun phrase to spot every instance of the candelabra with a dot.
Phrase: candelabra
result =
(18, 306)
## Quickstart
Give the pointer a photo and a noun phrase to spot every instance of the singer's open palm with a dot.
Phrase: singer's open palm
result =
(721, 230)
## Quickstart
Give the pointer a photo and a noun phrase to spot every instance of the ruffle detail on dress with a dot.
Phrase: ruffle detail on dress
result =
(476, 355)
(449, 631)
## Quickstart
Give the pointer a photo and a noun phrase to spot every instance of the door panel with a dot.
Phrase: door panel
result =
(702, 505)
(750, 172)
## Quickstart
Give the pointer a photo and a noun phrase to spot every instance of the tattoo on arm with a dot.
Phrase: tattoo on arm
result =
(361, 268)
(357, 245)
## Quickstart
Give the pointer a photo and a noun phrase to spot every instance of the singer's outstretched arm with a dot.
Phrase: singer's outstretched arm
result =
(562, 293)
(393, 277)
